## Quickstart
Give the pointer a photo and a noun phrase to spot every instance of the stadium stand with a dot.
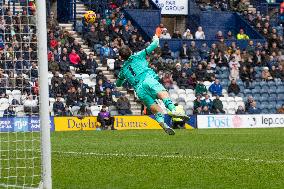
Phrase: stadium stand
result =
(83, 60)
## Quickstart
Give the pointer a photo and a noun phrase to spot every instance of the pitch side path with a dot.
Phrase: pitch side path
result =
(221, 158)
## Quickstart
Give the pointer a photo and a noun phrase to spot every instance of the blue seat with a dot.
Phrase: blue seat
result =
(263, 90)
(265, 95)
(272, 91)
(257, 87)
(263, 99)
(256, 96)
(271, 83)
(255, 91)
(265, 111)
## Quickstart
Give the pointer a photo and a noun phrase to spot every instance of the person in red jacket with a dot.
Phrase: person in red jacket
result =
(74, 58)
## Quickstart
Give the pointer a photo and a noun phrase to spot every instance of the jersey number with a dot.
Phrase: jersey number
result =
(131, 70)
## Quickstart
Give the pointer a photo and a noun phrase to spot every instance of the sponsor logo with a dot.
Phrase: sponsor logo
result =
(237, 121)
(81, 124)
(218, 122)
(121, 122)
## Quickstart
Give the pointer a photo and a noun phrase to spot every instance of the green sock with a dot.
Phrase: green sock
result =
(169, 104)
(160, 117)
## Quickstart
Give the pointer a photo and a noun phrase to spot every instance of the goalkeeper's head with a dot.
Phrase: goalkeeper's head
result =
(125, 52)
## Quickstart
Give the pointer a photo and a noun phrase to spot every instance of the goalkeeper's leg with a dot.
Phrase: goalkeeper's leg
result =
(160, 118)
(149, 101)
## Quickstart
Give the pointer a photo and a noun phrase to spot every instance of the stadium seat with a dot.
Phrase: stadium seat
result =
(182, 97)
(75, 110)
(181, 91)
(230, 99)
(189, 91)
(238, 99)
(189, 112)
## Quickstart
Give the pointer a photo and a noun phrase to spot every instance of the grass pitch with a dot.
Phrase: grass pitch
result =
(221, 158)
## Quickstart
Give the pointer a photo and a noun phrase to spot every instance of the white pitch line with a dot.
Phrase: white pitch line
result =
(170, 156)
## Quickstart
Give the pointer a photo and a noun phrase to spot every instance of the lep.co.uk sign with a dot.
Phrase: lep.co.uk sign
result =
(173, 6)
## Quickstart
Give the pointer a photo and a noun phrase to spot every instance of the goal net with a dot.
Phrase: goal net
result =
(20, 136)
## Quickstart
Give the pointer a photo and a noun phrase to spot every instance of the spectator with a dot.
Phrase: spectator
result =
(105, 119)
(166, 52)
(123, 105)
(66, 112)
(74, 58)
(182, 82)
(107, 98)
(199, 34)
(248, 102)
(246, 77)
(216, 88)
(167, 81)
(9, 112)
(72, 98)
(207, 102)
(200, 88)
(117, 66)
(198, 110)
(192, 81)
(217, 106)
(53, 66)
(234, 68)
(100, 91)
(281, 109)
(230, 36)
(265, 75)
(233, 88)
(176, 35)
(242, 6)
(240, 110)
(177, 72)
(197, 102)
(184, 54)
(64, 65)
(205, 110)
(242, 36)
(58, 107)
(159, 30)
(84, 112)
(91, 97)
(219, 35)
(187, 34)
(30, 105)
(200, 72)
(253, 109)
(165, 34)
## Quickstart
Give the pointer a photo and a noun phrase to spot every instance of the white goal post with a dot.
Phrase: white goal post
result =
(44, 94)
(25, 147)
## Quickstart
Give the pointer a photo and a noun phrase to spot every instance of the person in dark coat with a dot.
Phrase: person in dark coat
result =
(9, 112)
(58, 107)
(123, 105)
(217, 106)
(234, 88)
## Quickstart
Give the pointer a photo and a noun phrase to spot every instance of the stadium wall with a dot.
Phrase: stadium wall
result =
(28, 124)
(240, 121)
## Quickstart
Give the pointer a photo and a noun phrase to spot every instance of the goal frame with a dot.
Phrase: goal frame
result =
(44, 94)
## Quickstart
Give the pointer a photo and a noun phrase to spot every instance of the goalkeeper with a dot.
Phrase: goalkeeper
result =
(145, 83)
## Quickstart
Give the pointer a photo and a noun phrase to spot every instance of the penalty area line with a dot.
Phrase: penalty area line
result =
(96, 154)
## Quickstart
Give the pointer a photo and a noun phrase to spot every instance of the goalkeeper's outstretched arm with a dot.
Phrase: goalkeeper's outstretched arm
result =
(120, 80)
(150, 48)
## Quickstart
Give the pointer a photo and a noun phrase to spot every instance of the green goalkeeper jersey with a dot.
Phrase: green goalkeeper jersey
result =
(136, 69)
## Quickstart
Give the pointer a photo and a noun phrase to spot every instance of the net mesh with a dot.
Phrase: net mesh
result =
(20, 156)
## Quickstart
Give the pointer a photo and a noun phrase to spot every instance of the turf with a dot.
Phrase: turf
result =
(223, 158)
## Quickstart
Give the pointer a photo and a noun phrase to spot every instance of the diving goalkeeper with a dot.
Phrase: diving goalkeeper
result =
(145, 83)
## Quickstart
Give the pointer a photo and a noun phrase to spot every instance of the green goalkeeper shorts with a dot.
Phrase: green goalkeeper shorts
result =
(149, 90)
